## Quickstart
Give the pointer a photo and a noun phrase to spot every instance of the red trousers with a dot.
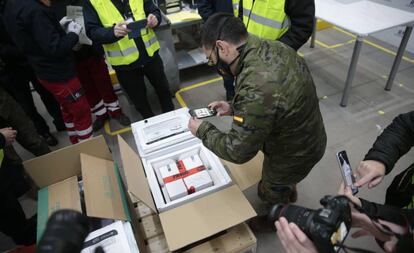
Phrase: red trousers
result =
(75, 108)
(94, 77)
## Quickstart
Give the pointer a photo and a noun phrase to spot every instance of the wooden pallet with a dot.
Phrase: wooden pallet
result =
(238, 239)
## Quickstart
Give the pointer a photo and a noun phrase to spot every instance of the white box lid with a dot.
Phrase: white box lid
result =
(161, 131)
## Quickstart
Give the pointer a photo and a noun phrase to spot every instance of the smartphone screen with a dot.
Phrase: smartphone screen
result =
(202, 113)
(346, 171)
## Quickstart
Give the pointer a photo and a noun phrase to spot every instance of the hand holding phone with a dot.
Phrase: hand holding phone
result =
(202, 113)
(346, 171)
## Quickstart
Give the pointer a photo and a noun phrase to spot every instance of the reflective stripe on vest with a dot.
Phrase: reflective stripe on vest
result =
(266, 18)
(236, 7)
(124, 51)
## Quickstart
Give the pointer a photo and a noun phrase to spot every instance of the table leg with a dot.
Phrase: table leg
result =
(313, 37)
(398, 57)
(351, 71)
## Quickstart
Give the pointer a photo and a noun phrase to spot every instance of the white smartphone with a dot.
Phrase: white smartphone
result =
(346, 171)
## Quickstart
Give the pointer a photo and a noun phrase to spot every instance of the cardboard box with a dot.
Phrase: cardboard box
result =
(183, 225)
(57, 175)
(191, 221)
(166, 138)
(198, 181)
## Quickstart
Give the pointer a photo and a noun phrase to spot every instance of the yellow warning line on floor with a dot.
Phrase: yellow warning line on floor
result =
(386, 50)
(180, 100)
(190, 87)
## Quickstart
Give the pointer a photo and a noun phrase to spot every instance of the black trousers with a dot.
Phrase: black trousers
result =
(13, 221)
(17, 85)
(132, 81)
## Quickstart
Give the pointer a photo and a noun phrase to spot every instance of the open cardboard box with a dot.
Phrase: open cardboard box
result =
(191, 221)
(57, 175)
(183, 225)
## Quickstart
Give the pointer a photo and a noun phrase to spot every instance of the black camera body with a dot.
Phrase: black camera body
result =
(326, 226)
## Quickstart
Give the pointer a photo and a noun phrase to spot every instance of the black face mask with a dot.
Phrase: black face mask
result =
(223, 68)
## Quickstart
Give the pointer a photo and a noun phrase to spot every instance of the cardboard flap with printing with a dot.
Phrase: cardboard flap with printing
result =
(205, 217)
(104, 196)
(62, 195)
(134, 173)
(64, 163)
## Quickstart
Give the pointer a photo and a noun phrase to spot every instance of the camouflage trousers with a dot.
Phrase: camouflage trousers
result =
(278, 184)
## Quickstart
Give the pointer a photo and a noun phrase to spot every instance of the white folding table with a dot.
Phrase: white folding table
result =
(363, 18)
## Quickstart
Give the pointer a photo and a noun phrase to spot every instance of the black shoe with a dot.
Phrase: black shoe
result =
(261, 224)
(98, 124)
(123, 119)
(50, 139)
(60, 126)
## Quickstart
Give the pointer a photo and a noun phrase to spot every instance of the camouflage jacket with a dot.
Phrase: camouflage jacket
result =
(275, 110)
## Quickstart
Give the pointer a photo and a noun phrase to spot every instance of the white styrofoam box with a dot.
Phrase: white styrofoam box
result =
(165, 138)
(161, 131)
(191, 162)
(198, 181)
(113, 238)
(176, 189)
(155, 160)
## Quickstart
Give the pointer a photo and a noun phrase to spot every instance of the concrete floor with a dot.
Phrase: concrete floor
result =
(353, 128)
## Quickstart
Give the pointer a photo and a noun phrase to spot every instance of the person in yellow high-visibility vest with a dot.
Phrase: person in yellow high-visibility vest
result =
(13, 185)
(206, 8)
(132, 58)
(289, 21)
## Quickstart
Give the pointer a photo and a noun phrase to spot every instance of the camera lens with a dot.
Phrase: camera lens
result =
(301, 216)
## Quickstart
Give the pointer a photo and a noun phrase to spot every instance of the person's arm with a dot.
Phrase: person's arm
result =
(396, 140)
(94, 28)
(253, 121)
(151, 8)
(48, 38)
(205, 9)
(301, 14)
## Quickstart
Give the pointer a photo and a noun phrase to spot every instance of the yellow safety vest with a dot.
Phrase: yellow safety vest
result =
(124, 51)
(1, 156)
(265, 19)
(236, 7)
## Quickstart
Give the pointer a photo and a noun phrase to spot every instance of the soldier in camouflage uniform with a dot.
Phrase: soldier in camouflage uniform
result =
(275, 109)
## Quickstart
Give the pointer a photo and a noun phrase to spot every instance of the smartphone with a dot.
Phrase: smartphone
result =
(136, 27)
(346, 171)
(202, 113)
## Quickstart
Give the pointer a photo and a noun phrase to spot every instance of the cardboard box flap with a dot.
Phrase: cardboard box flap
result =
(205, 217)
(64, 163)
(134, 173)
(248, 174)
(102, 186)
(62, 195)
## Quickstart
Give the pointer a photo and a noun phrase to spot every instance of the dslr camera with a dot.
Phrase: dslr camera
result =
(327, 227)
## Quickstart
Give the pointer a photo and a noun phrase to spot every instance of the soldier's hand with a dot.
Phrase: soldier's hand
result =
(121, 30)
(9, 134)
(222, 108)
(194, 124)
(371, 172)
